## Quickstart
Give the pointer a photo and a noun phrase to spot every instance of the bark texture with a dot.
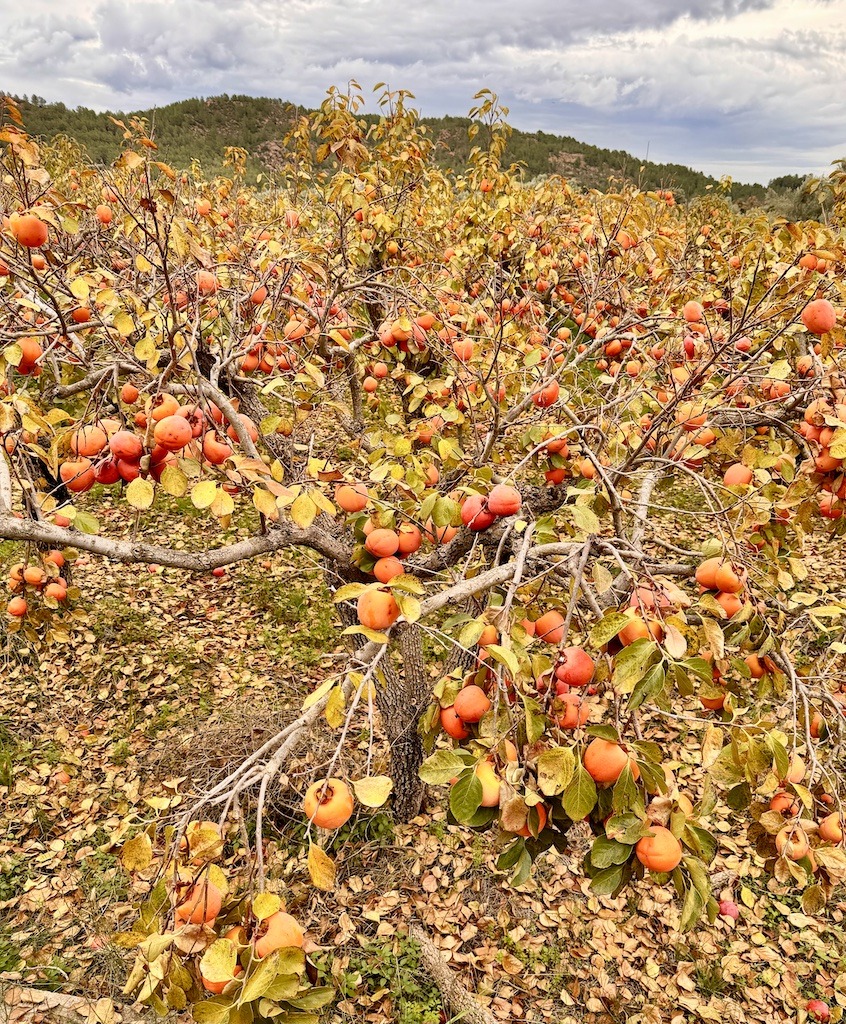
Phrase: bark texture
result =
(463, 1005)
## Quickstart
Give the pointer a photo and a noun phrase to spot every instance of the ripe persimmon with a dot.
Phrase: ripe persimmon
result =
(727, 579)
(737, 475)
(124, 444)
(475, 514)
(575, 667)
(410, 538)
(792, 842)
(29, 231)
(504, 500)
(491, 784)
(215, 450)
(200, 904)
(329, 803)
(377, 609)
(88, 441)
(386, 569)
(173, 433)
(819, 316)
(831, 828)
(543, 817)
(659, 852)
(352, 497)
(281, 930)
(382, 543)
(452, 724)
(77, 475)
(471, 703)
(550, 627)
(605, 760)
(574, 711)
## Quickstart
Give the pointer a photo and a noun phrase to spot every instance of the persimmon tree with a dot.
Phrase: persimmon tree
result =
(485, 406)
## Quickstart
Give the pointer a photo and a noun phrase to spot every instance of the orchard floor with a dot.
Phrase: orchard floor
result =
(163, 659)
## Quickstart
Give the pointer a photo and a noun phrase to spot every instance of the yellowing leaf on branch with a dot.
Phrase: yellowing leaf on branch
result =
(203, 493)
(140, 493)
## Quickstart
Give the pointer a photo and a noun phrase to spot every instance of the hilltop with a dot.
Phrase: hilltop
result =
(201, 129)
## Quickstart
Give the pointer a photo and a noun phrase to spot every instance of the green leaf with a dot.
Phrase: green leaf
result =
(315, 999)
(609, 880)
(607, 628)
(692, 908)
(350, 591)
(625, 792)
(604, 732)
(471, 632)
(631, 662)
(140, 493)
(407, 583)
(212, 1011)
(409, 606)
(442, 766)
(585, 519)
(465, 797)
(259, 980)
(509, 857)
(606, 852)
(556, 768)
(523, 869)
(284, 986)
(650, 684)
(580, 795)
(445, 512)
(506, 657)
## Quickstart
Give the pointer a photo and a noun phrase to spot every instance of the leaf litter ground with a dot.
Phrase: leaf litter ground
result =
(165, 663)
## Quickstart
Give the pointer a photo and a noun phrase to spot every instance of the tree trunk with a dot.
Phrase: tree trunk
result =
(401, 703)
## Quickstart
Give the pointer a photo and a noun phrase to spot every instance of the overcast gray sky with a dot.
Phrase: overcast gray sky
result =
(752, 88)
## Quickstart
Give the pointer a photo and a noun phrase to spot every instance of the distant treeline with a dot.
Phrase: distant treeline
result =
(201, 129)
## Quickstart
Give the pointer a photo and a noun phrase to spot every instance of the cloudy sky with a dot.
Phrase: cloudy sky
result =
(752, 88)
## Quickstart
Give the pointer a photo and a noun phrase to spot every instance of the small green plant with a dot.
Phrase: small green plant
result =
(396, 967)
(121, 753)
(14, 873)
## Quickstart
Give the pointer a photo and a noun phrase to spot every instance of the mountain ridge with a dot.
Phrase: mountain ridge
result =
(201, 128)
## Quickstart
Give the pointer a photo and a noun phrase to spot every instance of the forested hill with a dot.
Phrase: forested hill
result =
(202, 128)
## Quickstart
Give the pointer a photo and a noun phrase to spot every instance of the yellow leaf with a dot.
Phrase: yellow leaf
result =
(321, 868)
(142, 264)
(137, 853)
(219, 960)
(374, 790)
(223, 505)
(334, 710)
(79, 288)
(303, 511)
(266, 904)
(265, 503)
(174, 481)
(124, 324)
(140, 493)
(203, 493)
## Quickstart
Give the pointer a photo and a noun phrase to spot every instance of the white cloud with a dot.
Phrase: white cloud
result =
(747, 87)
